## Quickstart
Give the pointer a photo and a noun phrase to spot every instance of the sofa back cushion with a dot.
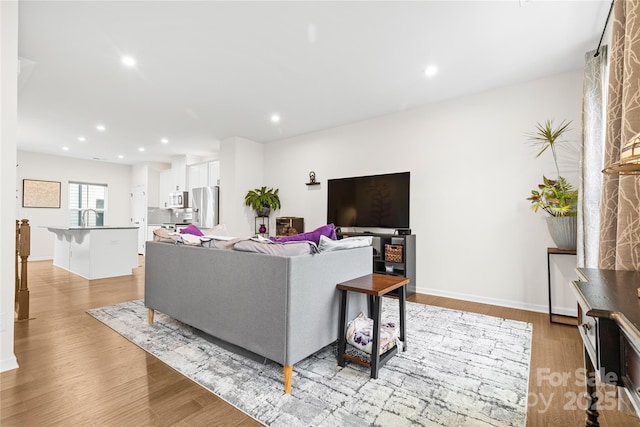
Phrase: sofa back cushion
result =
(327, 244)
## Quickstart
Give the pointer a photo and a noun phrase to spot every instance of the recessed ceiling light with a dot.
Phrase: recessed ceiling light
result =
(82, 139)
(65, 148)
(101, 128)
(275, 118)
(128, 61)
(120, 156)
(141, 149)
(431, 71)
(164, 140)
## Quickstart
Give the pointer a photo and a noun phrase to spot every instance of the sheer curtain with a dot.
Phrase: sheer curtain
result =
(591, 156)
(620, 208)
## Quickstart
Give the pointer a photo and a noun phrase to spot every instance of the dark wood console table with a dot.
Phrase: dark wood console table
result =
(609, 324)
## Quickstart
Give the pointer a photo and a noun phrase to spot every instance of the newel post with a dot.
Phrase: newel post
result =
(25, 251)
(17, 259)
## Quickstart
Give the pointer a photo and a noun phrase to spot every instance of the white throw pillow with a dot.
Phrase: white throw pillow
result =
(326, 244)
(191, 240)
(219, 230)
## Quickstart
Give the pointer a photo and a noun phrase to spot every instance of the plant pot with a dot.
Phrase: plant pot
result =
(563, 231)
(263, 212)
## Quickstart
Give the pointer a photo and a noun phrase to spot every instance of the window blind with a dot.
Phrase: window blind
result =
(89, 200)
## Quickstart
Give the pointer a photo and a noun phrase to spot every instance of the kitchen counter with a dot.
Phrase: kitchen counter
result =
(96, 252)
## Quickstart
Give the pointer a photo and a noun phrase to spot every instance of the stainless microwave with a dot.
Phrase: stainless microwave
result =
(179, 199)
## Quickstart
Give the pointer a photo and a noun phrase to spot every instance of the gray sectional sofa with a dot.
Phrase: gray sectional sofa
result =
(283, 308)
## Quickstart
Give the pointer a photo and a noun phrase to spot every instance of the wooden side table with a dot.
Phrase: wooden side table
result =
(375, 286)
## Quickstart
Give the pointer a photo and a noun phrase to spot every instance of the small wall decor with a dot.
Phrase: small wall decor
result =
(40, 194)
(312, 179)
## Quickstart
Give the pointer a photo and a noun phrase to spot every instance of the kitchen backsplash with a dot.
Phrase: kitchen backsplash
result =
(158, 216)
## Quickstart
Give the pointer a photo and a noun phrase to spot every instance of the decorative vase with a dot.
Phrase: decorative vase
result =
(262, 229)
(563, 231)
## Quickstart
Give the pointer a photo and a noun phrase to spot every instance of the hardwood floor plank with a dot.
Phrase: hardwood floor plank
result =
(556, 351)
(75, 371)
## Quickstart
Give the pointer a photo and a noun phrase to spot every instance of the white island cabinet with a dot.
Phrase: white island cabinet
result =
(96, 252)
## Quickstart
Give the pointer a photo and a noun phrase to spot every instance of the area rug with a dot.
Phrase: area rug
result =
(460, 369)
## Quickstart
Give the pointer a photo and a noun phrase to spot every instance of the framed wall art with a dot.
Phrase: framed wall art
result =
(40, 194)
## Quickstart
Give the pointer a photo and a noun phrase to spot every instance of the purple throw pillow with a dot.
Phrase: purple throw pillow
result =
(191, 229)
(313, 236)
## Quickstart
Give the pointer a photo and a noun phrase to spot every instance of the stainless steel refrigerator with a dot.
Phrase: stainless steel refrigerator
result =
(205, 206)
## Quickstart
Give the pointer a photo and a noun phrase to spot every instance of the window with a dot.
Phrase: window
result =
(88, 200)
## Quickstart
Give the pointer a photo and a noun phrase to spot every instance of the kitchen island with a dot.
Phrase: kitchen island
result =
(96, 252)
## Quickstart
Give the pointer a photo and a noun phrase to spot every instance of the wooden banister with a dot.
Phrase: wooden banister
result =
(17, 260)
(23, 250)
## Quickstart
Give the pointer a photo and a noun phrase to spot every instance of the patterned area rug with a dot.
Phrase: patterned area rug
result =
(460, 369)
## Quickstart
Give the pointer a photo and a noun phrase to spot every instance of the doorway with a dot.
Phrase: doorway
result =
(138, 208)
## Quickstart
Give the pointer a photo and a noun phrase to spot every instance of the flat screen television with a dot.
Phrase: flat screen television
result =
(369, 201)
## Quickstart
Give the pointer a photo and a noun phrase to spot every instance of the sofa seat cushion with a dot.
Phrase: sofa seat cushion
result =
(279, 249)
(222, 242)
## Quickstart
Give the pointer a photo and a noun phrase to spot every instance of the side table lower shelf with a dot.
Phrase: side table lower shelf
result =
(374, 286)
(367, 363)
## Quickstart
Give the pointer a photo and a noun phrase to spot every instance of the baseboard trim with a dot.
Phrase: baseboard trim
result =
(44, 258)
(539, 308)
(8, 364)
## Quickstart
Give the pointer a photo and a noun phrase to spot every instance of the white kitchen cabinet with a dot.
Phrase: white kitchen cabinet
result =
(179, 174)
(198, 175)
(204, 174)
(96, 252)
(164, 188)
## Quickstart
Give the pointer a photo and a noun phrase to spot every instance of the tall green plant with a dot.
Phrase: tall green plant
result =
(557, 197)
(547, 137)
(262, 197)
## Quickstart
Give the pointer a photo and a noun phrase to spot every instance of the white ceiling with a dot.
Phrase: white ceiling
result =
(207, 71)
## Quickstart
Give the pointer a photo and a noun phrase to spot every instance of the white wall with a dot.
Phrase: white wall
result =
(471, 172)
(148, 175)
(64, 169)
(241, 169)
(8, 133)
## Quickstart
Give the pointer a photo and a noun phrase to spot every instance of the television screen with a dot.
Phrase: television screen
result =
(369, 201)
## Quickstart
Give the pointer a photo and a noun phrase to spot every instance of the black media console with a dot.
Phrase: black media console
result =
(393, 254)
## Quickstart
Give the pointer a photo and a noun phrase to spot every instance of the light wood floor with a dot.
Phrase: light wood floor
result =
(76, 371)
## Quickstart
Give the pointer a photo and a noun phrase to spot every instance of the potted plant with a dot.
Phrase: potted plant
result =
(557, 196)
(262, 200)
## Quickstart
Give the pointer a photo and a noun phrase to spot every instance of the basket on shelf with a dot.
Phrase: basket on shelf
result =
(393, 253)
